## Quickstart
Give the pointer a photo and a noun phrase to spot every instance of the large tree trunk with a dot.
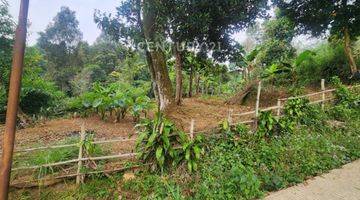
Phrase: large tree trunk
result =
(179, 76)
(163, 83)
(191, 81)
(348, 51)
(153, 76)
(153, 31)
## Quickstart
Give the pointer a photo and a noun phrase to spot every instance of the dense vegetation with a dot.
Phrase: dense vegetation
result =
(124, 75)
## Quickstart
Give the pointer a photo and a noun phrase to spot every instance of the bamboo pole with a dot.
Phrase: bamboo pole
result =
(258, 100)
(73, 145)
(127, 155)
(192, 126)
(323, 93)
(80, 178)
(13, 99)
(279, 108)
(230, 113)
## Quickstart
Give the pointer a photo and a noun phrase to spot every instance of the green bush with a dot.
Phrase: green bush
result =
(325, 61)
(37, 94)
(3, 101)
(238, 182)
(162, 146)
(116, 99)
(277, 162)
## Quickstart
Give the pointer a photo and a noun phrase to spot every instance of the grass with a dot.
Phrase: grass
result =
(48, 156)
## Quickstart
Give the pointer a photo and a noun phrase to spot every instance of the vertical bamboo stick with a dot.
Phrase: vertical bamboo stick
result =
(230, 116)
(192, 126)
(323, 94)
(80, 178)
(258, 100)
(279, 107)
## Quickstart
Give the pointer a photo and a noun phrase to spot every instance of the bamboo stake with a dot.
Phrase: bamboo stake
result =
(80, 178)
(258, 100)
(279, 107)
(230, 113)
(192, 125)
(323, 93)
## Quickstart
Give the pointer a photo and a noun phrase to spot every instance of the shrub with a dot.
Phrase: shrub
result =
(162, 146)
(239, 182)
(324, 61)
(115, 99)
(3, 101)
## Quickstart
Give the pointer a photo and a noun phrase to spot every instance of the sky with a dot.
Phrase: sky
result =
(41, 13)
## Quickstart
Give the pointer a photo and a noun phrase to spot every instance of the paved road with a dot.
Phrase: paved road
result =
(339, 184)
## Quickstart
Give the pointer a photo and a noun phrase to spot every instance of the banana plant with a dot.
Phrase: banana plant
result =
(141, 105)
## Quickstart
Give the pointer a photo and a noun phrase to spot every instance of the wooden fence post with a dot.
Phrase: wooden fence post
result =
(79, 177)
(192, 126)
(323, 94)
(230, 116)
(258, 100)
(279, 108)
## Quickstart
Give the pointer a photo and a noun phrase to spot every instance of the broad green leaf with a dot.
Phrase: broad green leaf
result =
(159, 152)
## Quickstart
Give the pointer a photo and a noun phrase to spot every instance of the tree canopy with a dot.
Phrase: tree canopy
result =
(339, 18)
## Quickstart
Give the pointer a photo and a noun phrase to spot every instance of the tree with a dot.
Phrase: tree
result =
(61, 43)
(107, 53)
(276, 45)
(7, 28)
(155, 20)
(141, 23)
(339, 17)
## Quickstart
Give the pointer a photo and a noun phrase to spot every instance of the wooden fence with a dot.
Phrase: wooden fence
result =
(79, 175)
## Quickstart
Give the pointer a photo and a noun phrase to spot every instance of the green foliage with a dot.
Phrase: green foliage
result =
(114, 99)
(276, 47)
(296, 108)
(162, 146)
(3, 102)
(344, 96)
(274, 162)
(61, 43)
(37, 93)
(155, 143)
(192, 150)
(318, 17)
(266, 124)
(346, 102)
(238, 182)
(324, 61)
(154, 187)
(7, 27)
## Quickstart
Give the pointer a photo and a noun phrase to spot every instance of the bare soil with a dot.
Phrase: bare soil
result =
(207, 113)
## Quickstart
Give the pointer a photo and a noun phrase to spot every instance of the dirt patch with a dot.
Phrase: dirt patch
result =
(58, 129)
(207, 113)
